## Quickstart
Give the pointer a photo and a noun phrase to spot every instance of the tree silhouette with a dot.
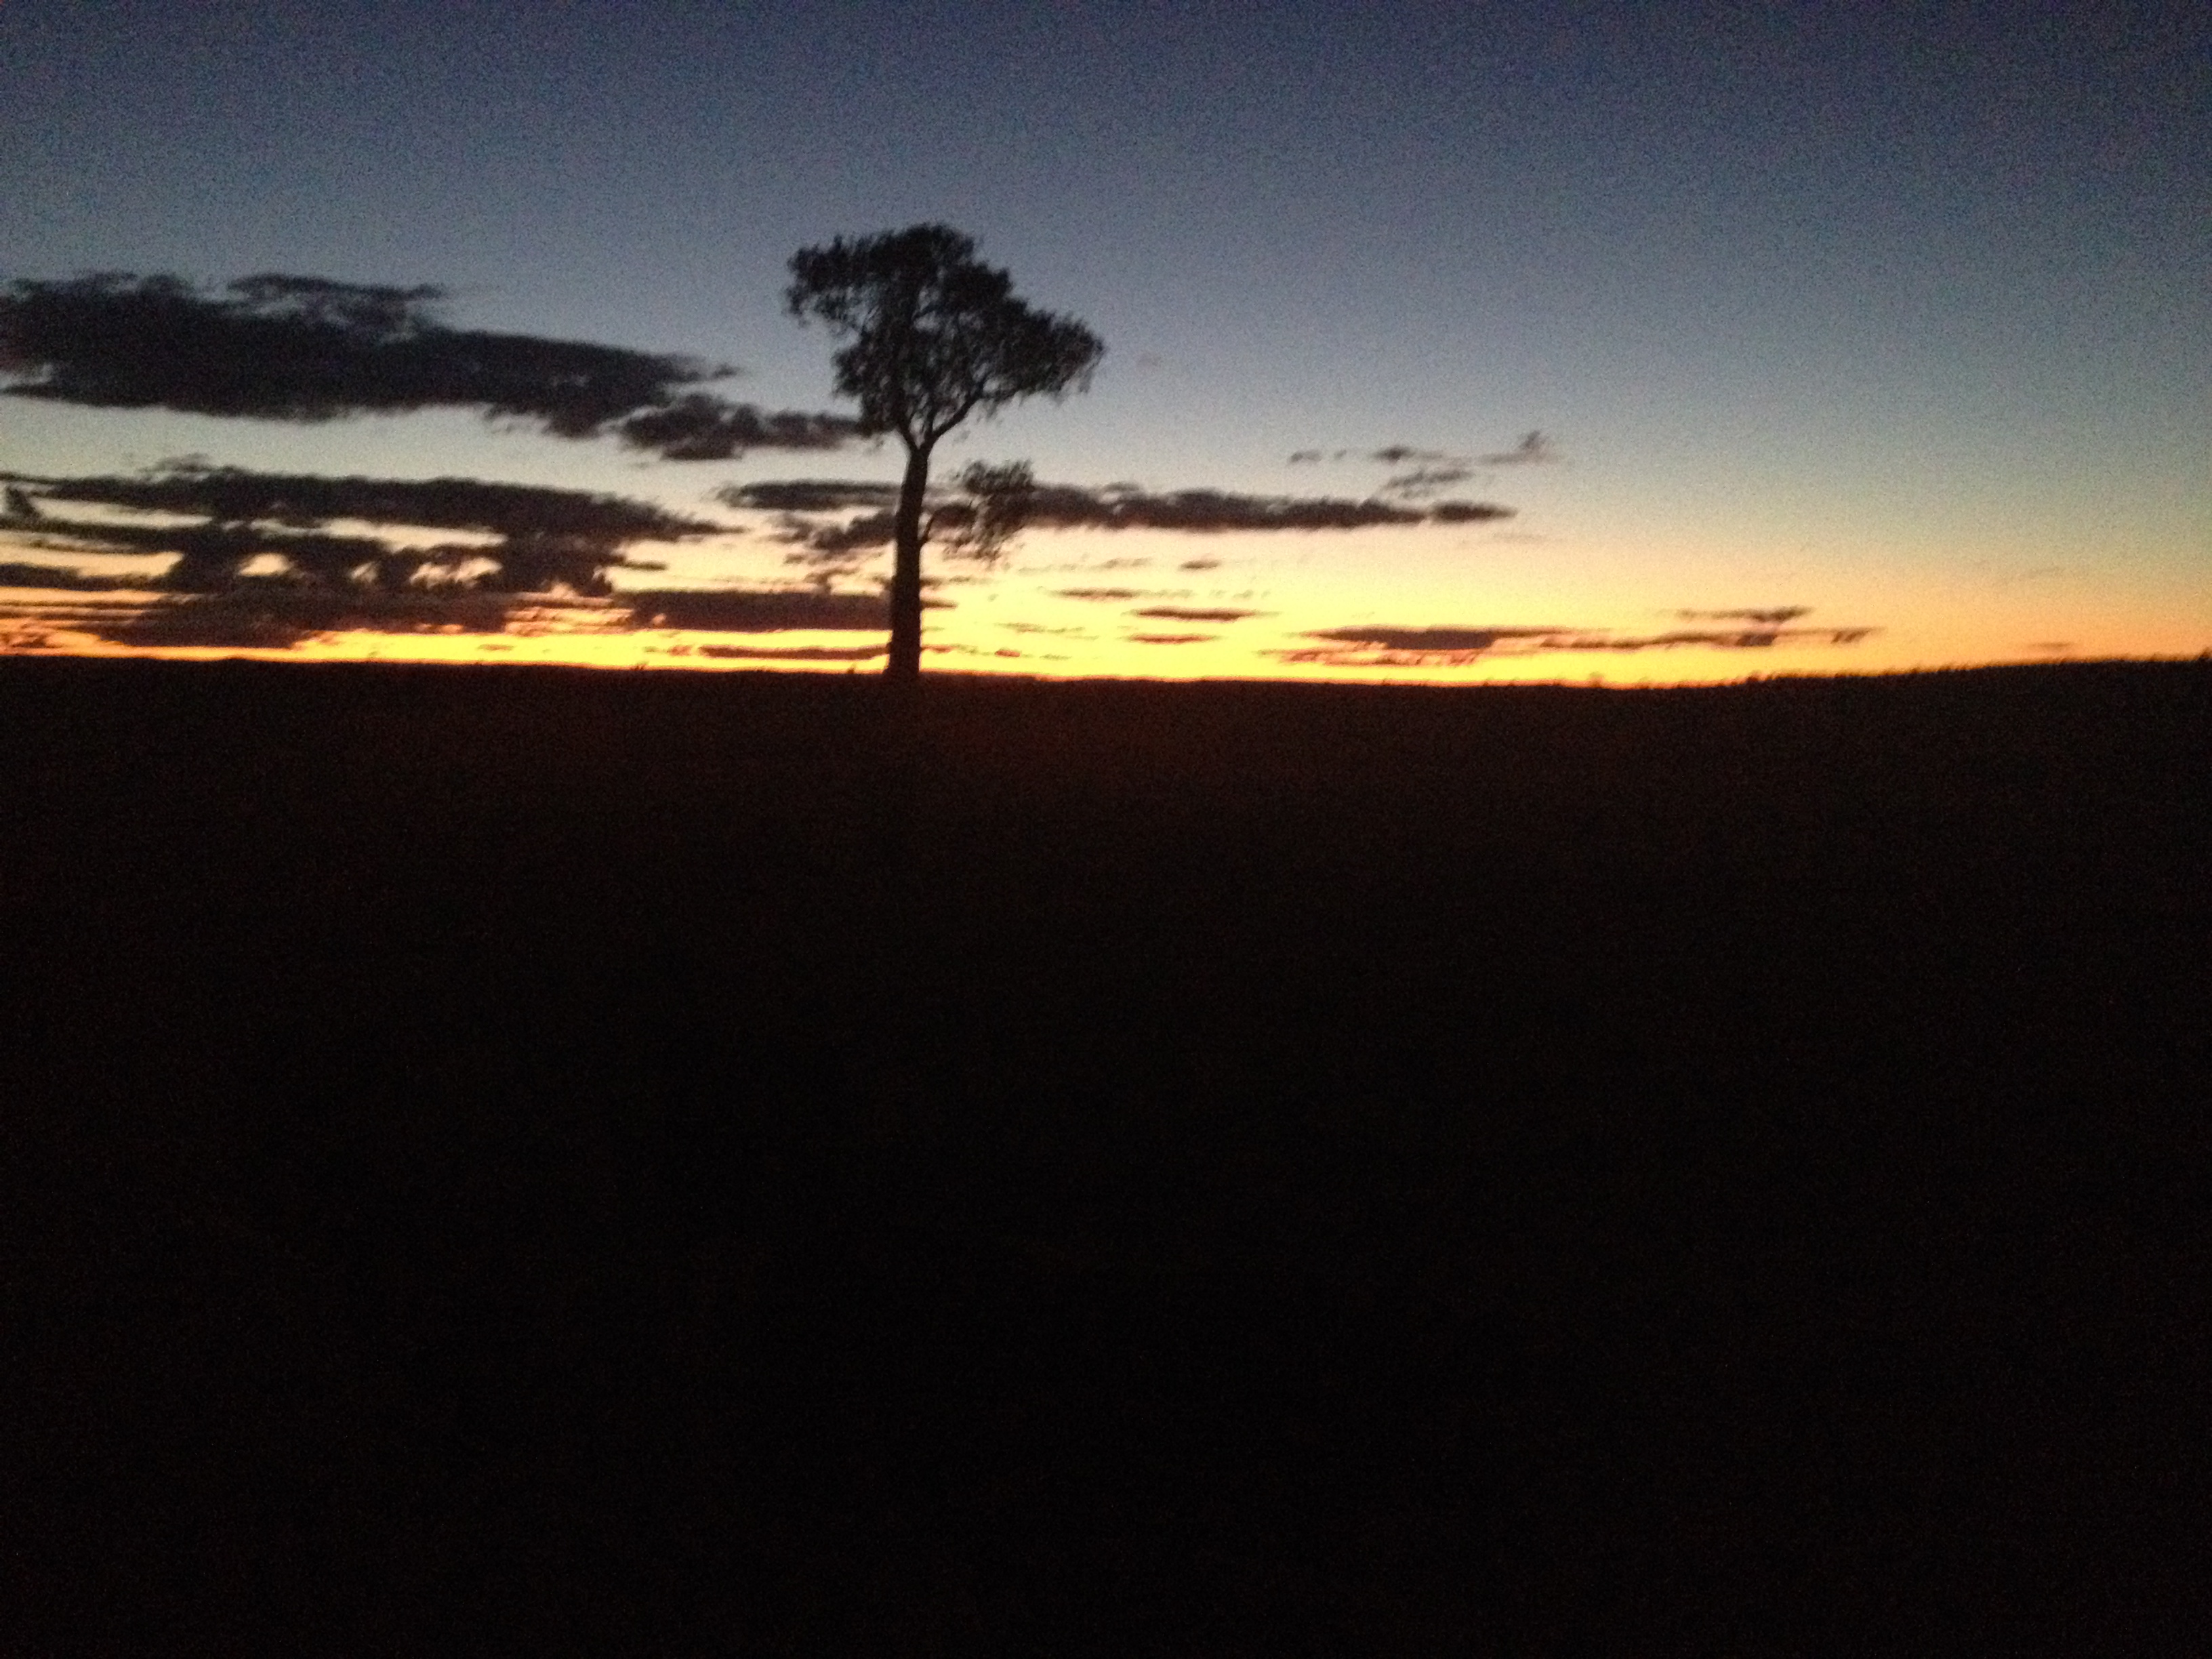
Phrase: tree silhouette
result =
(932, 335)
(995, 504)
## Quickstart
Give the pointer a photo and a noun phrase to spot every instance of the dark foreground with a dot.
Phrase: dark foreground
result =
(547, 1162)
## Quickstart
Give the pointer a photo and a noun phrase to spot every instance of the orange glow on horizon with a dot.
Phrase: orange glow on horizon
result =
(1355, 607)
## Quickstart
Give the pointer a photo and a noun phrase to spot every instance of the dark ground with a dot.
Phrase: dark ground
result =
(502, 1160)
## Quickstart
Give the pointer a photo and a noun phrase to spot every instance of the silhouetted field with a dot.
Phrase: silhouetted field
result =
(566, 1162)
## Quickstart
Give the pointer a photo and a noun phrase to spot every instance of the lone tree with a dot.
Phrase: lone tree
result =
(932, 336)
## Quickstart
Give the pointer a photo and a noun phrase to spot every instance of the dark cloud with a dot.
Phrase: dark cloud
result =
(1389, 455)
(1432, 470)
(1467, 513)
(1431, 640)
(975, 519)
(840, 543)
(233, 495)
(1190, 613)
(1774, 616)
(811, 496)
(275, 617)
(86, 536)
(1749, 639)
(700, 427)
(277, 612)
(1124, 507)
(736, 611)
(1171, 639)
(1212, 510)
(1424, 481)
(545, 538)
(1534, 449)
(1199, 564)
(1354, 657)
(307, 349)
(61, 613)
(66, 579)
(1003, 651)
(1372, 647)
(1108, 595)
(827, 547)
(214, 556)
(180, 626)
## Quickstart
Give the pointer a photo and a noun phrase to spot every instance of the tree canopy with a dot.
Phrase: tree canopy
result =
(930, 336)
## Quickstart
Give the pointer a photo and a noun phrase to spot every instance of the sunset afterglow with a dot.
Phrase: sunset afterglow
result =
(1780, 345)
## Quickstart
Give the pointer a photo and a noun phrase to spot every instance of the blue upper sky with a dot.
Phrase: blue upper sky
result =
(1802, 286)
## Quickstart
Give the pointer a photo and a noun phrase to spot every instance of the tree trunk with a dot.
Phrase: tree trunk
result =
(905, 662)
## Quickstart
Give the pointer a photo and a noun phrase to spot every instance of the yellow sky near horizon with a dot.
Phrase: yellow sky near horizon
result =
(1157, 605)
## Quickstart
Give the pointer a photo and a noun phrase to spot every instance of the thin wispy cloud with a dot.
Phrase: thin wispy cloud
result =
(235, 495)
(787, 653)
(845, 544)
(1195, 613)
(1534, 449)
(528, 538)
(1388, 455)
(1424, 481)
(1124, 507)
(1773, 616)
(1430, 641)
(1370, 646)
(1425, 474)
(1751, 639)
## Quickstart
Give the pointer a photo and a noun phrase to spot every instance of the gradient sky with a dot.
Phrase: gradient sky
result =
(1907, 322)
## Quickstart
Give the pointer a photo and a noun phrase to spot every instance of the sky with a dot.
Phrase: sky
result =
(1899, 324)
